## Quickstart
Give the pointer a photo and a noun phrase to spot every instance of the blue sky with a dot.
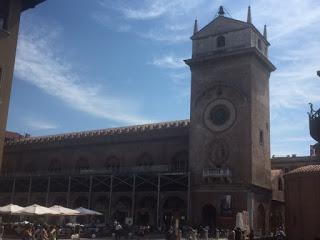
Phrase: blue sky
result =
(85, 65)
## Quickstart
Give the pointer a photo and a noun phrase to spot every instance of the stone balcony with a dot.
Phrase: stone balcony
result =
(216, 172)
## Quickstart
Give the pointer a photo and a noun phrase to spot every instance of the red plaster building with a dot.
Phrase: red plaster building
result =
(302, 196)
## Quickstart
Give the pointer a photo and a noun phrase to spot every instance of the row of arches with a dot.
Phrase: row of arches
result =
(179, 162)
(145, 208)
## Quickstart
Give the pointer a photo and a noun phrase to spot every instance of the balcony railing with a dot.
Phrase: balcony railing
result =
(216, 172)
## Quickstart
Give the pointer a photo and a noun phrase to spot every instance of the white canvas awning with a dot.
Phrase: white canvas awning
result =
(85, 211)
(36, 209)
(10, 208)
(65, 211)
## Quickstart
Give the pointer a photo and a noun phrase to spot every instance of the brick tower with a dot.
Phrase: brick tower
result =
(229, 134)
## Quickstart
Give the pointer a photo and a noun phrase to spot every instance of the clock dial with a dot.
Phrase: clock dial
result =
(219, 115)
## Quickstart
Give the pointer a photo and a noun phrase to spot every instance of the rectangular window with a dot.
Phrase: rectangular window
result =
(0, 77)
(0, 85)
(261, 137)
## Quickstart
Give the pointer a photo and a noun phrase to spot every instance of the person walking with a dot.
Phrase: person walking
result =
(238, 235)
(1, 231)
(44, 233)
(118, 229)
(251, 235)
(53, 233)
(27, 233)
(232, 235)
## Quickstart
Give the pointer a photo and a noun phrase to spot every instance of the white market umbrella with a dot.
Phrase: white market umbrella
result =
(65, 211)
(85, 211)
(36, 209)
(10, 208)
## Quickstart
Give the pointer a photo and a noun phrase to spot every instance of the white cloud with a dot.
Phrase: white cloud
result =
(38, 63)
(295, 50)
(166, 36)
(286, 17)
(296, 139)
(150, 9)
(154, 10)
(111, 23)
(181, 81)
(36, 124)
(169, 61)
(295, 83)
(176, 17)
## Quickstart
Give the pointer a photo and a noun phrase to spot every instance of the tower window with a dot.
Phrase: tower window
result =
(221, 41)
(259, 44)
(280, 184)
(0, 78)
(261, 137)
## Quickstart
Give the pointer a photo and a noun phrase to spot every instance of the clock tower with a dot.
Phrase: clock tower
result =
(229, 131)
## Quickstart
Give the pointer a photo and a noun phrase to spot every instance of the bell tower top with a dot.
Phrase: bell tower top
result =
(225, 34)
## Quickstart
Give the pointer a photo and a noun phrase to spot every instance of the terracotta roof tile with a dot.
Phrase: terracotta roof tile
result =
(310, 169)
(101, 132)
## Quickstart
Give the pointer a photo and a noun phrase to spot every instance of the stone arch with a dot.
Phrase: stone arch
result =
(82, 163)
(147, 202)
(221, 41)
(62, 201)
(209, 214)
(179, 161)
(112, 163)
(80, 201)
(261, 219)
(146, 211)
(122, 209)
(100, 203)
(173, 208)
(276, 220)
(144, 160)
(55, 165)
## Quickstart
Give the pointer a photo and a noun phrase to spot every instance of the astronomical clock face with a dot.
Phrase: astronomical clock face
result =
(219, 152)
(219, 115)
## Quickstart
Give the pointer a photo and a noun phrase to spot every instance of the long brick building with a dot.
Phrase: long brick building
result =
(204, 170)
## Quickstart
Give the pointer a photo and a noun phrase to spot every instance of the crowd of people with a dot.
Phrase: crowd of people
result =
(39, 232)
(30, 231)
(189, 233)
(119, 230)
